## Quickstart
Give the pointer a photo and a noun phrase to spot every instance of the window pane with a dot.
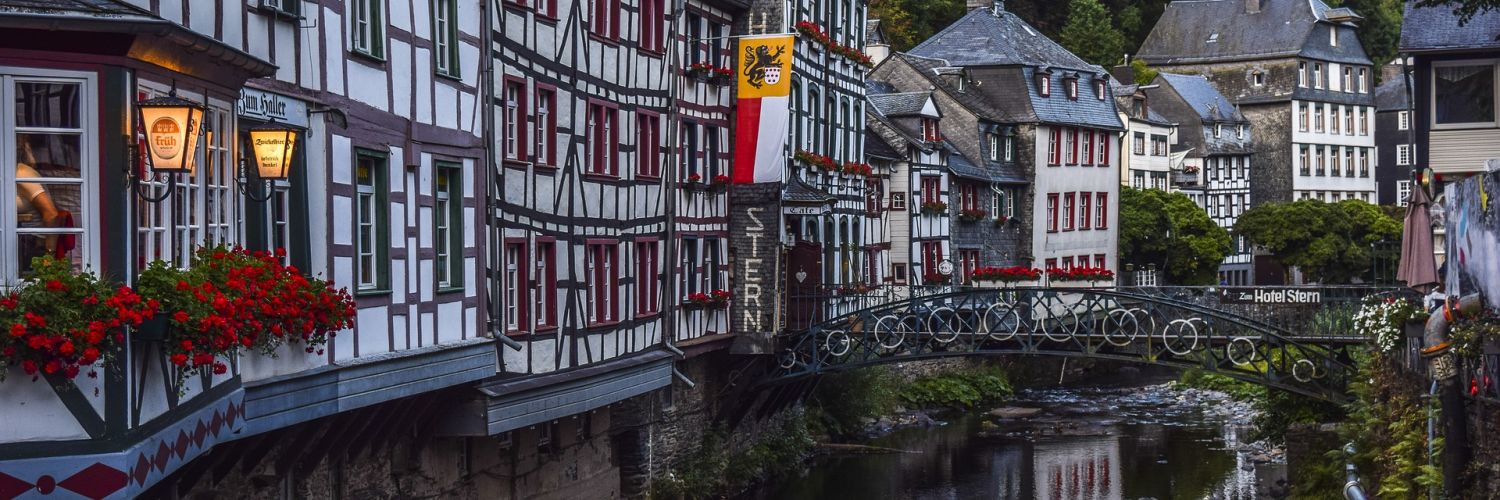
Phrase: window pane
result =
(48, 155)
(47, 105)
(1465, 94)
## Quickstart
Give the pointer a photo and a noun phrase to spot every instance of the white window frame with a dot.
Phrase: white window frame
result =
(361, 220)
(444, 36)
(174, 228)
(1432, 96)
(88, 121)
(1403, 155)
(1403, 191)
(1403, 120)
(363, 30)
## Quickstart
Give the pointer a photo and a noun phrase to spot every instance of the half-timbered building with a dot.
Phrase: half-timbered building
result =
(1218, 143)
(384, 99)
(1053, 148)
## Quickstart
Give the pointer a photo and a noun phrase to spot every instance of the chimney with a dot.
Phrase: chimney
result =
(998, 5)
(1252, 6)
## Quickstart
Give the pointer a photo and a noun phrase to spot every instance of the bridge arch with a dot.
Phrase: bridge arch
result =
(1100, 323)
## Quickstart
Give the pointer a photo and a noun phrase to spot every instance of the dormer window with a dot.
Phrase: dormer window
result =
(1258, 79)
(1044, 84)
(930, 131)
(1241, 131)
(1218, 130)
(1333, 36)
(1302, 74)
(1072, 87)
(1099, 88)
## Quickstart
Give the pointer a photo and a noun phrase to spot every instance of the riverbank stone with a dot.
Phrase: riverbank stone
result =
(1014, 412)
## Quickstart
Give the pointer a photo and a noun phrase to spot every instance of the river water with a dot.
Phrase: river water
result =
(1086, 444)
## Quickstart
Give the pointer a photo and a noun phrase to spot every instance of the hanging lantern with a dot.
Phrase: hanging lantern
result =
(273, 145)
(172, 126)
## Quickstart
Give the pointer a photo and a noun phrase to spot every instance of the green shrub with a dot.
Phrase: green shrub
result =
(843, 399)
(959, 389)
(715, 471)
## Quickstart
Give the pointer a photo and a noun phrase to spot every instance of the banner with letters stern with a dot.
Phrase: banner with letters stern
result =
(763, 109)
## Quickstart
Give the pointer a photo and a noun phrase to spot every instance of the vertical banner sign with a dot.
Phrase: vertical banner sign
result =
(763, 110)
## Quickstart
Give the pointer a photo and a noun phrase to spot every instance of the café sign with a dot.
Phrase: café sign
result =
(1289, 296)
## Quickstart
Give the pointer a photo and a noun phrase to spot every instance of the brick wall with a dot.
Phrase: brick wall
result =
(754, 259)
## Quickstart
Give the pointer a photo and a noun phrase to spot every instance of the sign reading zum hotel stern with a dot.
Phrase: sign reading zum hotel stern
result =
(1270, 296)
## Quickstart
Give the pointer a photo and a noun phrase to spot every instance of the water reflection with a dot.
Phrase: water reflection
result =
(1119, 451)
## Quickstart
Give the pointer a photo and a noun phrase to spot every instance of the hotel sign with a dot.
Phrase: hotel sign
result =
(1291, 296)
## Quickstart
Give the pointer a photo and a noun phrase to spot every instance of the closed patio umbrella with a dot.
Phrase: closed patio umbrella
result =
(1417, 268)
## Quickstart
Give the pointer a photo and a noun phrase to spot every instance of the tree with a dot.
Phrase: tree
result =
(1171, 232)
(1328, 242)
(1380, 31)
(1090, 36)
(1144, 74)
(1466, 9)
(907, 23)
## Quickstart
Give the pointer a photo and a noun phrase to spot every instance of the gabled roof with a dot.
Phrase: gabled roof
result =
(992, 37)
(1391, 96)
(1206, 100)
(1428, 29)
(1200, 31)
(799, 192)
(900, 103)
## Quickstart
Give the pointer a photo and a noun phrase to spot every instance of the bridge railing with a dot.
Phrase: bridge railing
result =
(1329, 315)
(871, 326)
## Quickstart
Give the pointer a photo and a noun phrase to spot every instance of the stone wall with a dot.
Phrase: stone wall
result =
(755, 261)
(577, 462)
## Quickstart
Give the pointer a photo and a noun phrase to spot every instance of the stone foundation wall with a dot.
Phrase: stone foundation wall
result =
(577, 462)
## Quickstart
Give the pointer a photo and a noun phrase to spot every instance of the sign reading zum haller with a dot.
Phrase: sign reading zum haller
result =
(1270, 296)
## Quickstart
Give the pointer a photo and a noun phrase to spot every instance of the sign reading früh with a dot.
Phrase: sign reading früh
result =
(1270, 296)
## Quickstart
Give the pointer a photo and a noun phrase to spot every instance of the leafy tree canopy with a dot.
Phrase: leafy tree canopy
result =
(1328, 242)
(1466, 9)
(1380, 31)
(907, 23)
(1171, 232)
(1089, 34)
(1144, 74)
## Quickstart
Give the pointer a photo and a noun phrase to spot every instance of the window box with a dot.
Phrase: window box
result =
(934, 208)
(972, 215)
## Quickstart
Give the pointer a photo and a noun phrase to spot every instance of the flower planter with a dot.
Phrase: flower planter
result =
(720, 80)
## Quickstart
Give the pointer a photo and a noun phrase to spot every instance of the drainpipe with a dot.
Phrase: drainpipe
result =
(1444, 371)
(1352, 489)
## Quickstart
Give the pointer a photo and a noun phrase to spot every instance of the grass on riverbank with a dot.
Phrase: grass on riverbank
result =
(844, 402)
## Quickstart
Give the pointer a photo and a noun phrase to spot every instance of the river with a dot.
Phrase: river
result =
(1133, 443)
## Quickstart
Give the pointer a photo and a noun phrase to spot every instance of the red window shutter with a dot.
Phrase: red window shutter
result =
(1052, 212)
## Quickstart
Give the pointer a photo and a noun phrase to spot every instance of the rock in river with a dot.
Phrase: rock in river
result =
(1012, 412)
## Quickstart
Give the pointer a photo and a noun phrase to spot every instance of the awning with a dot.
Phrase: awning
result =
(54, 25)
(510, 402)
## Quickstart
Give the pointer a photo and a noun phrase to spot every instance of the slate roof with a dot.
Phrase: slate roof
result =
(797, 191)
(876, 147)
(1088, 110)
(82, 8)
(1391, 96)
(983, 38)
(962, 167)
(1197, 106)
(1199, 31)
(1211, 105)
(1437, 29)
(900, 103)
(1002, 53)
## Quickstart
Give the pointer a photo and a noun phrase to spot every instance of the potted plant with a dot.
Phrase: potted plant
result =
(934, 207)
(972, 215)
(59, 321)
(720, 182)
(692, 182)
(1001, 219)
(700, 71)
(721, 76)
(232, 299)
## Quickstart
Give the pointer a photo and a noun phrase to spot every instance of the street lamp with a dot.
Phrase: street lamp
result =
(272, 145)
(173, 126)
